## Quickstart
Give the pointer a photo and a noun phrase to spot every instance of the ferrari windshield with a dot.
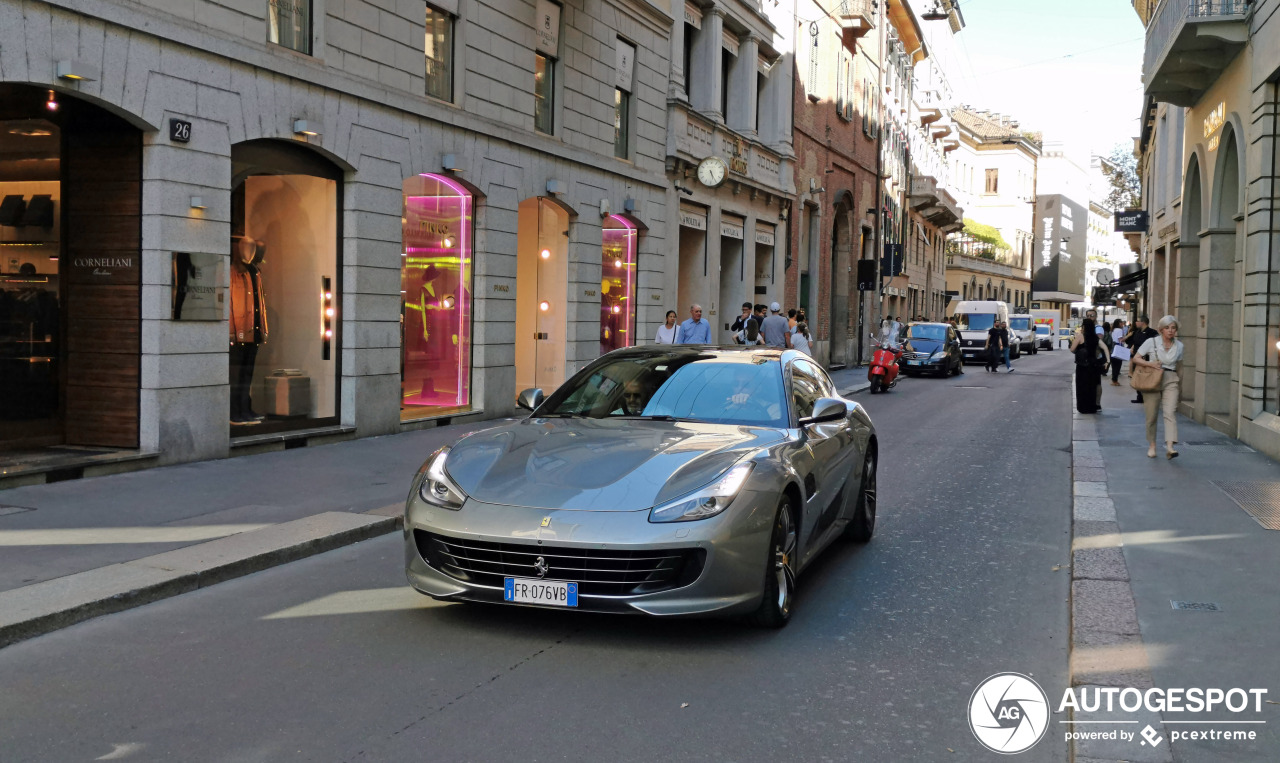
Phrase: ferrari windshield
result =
(687, 387)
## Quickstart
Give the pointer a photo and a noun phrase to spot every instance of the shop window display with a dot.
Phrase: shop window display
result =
(282, 320)
(617, 284)
(435, 286)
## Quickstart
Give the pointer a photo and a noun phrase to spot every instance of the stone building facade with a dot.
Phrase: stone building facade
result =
(428, 206)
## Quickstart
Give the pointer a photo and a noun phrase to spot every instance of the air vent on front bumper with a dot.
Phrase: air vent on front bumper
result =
(598, 572)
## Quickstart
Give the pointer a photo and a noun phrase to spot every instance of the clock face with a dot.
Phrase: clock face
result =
(712, 171)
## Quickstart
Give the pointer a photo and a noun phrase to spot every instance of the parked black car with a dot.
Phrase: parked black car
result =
(932, 348)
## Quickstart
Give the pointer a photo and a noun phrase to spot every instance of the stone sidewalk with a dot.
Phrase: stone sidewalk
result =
(1150, 532)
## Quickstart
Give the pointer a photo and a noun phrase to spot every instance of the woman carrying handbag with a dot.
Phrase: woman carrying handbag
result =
(1160, 358)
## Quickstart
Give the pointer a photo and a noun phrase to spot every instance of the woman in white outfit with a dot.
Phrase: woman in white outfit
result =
(667, 333)
(1163, 352)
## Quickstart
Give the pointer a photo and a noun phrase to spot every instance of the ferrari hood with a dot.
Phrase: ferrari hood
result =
(597, 464)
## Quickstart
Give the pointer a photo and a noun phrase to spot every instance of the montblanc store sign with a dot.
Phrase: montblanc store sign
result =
(1131, 221)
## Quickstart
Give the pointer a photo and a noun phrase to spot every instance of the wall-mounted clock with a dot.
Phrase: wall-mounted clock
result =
(712, 171)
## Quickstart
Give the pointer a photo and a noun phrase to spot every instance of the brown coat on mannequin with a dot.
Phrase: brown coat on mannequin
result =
(243, 283)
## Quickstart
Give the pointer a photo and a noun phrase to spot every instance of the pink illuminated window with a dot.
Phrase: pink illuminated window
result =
(435, 283)
(617, 284)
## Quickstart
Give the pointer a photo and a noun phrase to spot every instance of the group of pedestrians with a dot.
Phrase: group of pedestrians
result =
(758, 324)
(1142, 347)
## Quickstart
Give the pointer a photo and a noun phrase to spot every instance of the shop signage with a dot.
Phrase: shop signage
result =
(106, 268)
(730, 41)
(1168, 230)
(625, 58)
(501, 288)
(1131, 221)
(731, 228)
(548, 28)
(656, 297)
(693, 15)
(764, 235)
(693, 219)
(179, 130)
(738, 160)
(589, 292)
(198, 290)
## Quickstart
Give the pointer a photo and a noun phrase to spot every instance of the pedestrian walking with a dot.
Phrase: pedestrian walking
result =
(1163, 351)
(1140, 333)
(1091, 359)
(695, 330)
(997, 346)
(667, 331)
(792, 319)
(739, 326)
(1119, 352)
(1008, 367)
(800, 339)
(774, 329)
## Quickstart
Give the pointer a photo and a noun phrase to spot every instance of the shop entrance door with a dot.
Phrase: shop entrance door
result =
(70, 273)
(542, 270)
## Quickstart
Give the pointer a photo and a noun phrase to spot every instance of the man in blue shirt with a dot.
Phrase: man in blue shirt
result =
(696, 330)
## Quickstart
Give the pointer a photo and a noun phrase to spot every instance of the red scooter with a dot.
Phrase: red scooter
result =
(883, 373)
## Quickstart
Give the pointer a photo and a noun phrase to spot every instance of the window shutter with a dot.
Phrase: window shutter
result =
(813, 59)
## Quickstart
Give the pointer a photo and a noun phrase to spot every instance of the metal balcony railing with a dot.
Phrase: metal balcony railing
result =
(1172, 14)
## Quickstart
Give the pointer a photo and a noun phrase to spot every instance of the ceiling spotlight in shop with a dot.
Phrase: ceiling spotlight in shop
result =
(52, 103)
(447, 243)
(544, 306)
(546, 254)
(616, 309)
(617, 263)
(448, 303)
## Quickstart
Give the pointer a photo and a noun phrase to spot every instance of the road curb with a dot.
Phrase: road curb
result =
(1106, 647)
(45, 607)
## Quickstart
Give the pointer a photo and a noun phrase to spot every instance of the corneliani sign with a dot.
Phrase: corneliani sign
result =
(103, 262)
(1131, 221)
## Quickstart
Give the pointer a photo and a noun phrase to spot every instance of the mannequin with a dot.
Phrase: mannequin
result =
(248, 324)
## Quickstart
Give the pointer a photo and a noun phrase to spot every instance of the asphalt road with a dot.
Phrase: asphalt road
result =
(334, 658)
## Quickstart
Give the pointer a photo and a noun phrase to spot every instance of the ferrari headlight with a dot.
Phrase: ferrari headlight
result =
(708, 501)
(436, 487)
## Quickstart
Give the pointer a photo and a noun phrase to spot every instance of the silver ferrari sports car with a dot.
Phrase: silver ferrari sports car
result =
(665, 479)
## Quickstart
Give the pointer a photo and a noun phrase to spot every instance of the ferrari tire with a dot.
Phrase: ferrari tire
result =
(863, 525)
(779, 571)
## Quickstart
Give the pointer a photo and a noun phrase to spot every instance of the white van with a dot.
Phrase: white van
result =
(1022, 334)
(974, 318)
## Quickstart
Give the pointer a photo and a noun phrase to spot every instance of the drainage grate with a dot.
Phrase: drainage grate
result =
(1195, 606)
(1260, 499)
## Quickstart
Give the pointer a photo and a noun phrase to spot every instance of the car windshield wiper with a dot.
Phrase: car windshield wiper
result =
(654, 417)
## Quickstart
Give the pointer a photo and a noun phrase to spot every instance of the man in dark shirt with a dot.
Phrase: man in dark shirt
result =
(753, 324)
(1140, 333)
(741, 322)
(997, 346)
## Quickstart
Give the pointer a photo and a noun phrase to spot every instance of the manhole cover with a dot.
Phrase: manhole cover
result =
(1260, 499)
(1195, 606)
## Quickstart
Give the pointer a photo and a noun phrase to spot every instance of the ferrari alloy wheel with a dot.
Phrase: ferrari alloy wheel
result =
(863, 524)
(780, 572)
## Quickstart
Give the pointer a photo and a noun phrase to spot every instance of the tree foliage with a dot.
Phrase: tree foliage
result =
(1121, 170)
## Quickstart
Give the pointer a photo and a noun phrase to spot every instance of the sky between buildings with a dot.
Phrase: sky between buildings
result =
(1069, 68)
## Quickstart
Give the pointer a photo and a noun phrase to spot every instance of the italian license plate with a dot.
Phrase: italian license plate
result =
(556, 593)
(913, 362)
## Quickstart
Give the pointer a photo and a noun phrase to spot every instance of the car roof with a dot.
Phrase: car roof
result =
(743, 353)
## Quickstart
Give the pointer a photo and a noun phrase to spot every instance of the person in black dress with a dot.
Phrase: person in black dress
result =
(1091, 358)
(997, 341)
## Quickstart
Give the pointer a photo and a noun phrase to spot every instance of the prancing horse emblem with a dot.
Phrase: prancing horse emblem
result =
(541, 567)
(546, 521)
